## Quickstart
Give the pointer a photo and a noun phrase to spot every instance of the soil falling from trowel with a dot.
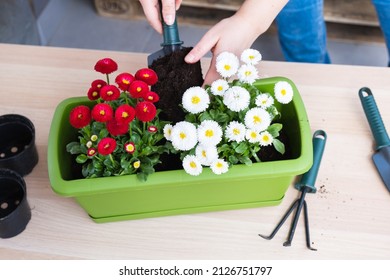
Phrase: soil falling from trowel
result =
(175, 77)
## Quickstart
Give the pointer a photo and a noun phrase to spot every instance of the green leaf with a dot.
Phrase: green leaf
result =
(279, 146)
(74, 148)
(82, 158)
(241, 148)
(274, 129)
(245, 160)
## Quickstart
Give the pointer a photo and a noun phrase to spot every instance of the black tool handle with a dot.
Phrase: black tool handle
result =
(309, 178)
(374, 118)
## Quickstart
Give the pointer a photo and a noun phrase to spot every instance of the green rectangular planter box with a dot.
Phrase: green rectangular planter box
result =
(175, 192)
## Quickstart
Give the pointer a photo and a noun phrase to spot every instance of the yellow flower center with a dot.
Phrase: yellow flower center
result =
(248, 73)
(182, 135)
(266, 138)
(193, 164)
(209, 133)
(139, 89)
(195, 100)
(253, 134)
(109, 93)
(227, 67)
(219, 165)
(256, 119)
(80, 116)
(137, 164)
(220, 88)
(283, 92)
(236, 131)
(150, 98)
(125, 115)
(130, 148)
(204, 154)
(126, 82)
(251, 57)
(146, 75)
(145, 109)
(102, 112)
(95, 93)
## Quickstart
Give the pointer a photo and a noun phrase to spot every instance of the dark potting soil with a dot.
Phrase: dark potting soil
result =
(175, 76)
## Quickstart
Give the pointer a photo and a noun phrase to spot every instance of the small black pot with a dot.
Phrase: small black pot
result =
(15, 213)
(17, 144)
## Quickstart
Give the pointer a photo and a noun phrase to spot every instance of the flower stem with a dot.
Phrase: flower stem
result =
(255, 156)
(108, 79)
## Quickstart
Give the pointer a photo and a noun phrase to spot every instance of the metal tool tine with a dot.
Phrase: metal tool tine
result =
(279, 225)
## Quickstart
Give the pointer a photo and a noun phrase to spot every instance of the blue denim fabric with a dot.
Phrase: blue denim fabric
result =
(383, 11)
(302, 31)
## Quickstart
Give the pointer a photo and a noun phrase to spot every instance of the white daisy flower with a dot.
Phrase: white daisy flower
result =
(209, 133)
(227, 64)
(257, 119)
(89, 144)
(264, 100)
(247, 74)
(219, 166)
(195, 100)
(235, 131)
(266, 138)
(191, 165)
(251, 56)
(183, 136)
(168, 132)
(253, 136)
(206, 155)
(218, 87)
(236, 98)
(283, 92)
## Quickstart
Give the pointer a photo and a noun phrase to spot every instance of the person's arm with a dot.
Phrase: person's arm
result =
(152, 12)
(236, 33)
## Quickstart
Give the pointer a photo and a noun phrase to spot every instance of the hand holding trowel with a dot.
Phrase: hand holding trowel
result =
(171, 40)
(175, 76)
(381, 157)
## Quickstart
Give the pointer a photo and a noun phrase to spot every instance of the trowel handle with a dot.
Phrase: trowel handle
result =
(309, 178)
(170, 32)
(374, 118)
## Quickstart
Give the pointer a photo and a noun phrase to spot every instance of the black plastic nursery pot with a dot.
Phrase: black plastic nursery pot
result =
(15, 213)
(17, 144)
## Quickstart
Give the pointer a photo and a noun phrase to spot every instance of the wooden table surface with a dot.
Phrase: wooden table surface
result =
(349, 215)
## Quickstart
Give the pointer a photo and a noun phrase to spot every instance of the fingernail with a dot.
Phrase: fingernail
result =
(190, 58)
(169, 19)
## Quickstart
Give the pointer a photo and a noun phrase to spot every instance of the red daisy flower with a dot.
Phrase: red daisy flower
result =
(124, 80)
(106, 66)
(106, 146)
(151, 96)
(109, 93)
(91, 152)
(93, 93)
(115, 128)
(138, 88)
(147, 75)
(80, 116)
(98, 84)
(145, 111)
(124, 114)
(102, 112)
(130, 147)
(152, 129)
